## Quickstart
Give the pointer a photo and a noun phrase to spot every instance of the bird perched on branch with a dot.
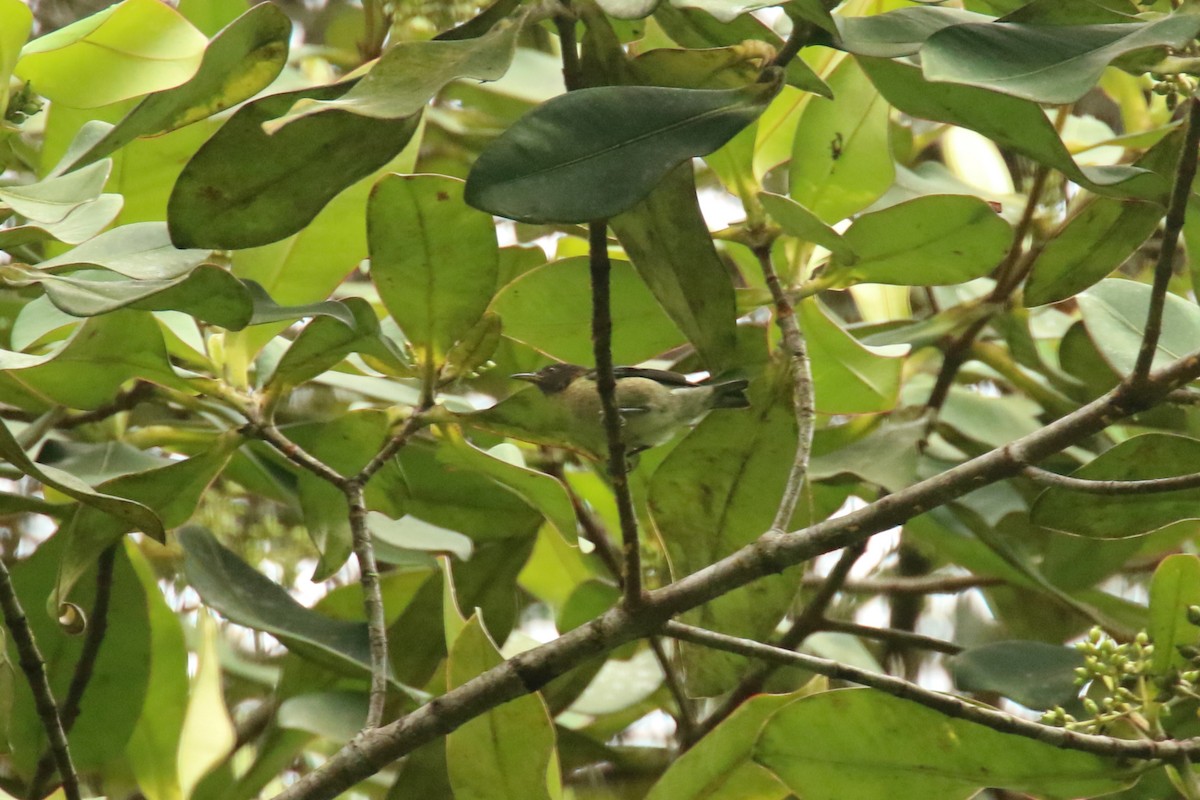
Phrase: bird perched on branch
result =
(654, 404)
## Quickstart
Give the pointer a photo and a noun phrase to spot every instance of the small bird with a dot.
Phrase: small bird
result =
(653, 403)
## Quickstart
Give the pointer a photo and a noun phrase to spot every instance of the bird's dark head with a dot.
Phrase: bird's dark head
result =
(553, 378)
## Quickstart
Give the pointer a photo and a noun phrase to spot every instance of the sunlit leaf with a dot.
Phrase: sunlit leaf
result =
(1174, 589)
(128, 49)
(848, 377)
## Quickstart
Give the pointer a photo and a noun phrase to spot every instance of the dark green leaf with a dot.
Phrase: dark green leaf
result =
(239, 62)
(1090, 246)
(1008, 121)
(667, 239)
(898, 33)
(591, 154)
(246, 188)
(1046, 64)
(1035, 674)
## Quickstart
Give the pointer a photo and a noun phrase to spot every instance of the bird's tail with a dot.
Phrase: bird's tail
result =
(730, 394)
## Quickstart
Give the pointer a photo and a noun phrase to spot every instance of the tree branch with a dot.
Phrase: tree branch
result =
(96, 628)
(803, 396)
(810, 620)
(606, 386)
(364, 551)
(893, 635)
(946, 704)
(943, 584)
(772, 552)
(39, 685)
(1114, 488)
(1185, 174)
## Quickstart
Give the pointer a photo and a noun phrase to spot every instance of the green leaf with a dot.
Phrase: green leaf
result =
(132, 48)
(16, 21)
(1115, 313)
(719, 766)
(336, 716)
(172, 492)
(627, 9)
(1092, 244)
(240, 593)
(591, 154)
(698, 29)
(245, 188)
(242, 60)
(80, 224)
(504, 464)
(434, 260)
(142, 251)
(798, 221)
(544, 308)
(409, 535)
(1174, 588)
(929, 241)
(716, 492)
(849, 377)
(131, 512)
(842, 161)
(1035, 674)
(153, 747)
(507, 753)
(667, 239)
(877, 747)
(208, 293)
(898, 33)
(725, 10)
(325, 341)
(113, 701)
(1046, 64)
(1008, 121)
(1153, 455)
(52, 199)
(410, 73)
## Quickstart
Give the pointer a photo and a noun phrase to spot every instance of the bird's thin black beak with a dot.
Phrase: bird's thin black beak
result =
(531, 377)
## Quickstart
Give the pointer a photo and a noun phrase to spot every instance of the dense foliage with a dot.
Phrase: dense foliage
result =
(279, 523)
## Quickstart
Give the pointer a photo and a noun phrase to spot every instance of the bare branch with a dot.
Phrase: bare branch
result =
(39, 685)
(1185, 174)
(364, 551)
(1115, 488)
(934, 584)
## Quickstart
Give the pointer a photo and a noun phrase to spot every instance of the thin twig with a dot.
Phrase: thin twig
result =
(807, 622)
(530, 670)
(1114, 488)
(803, 398)
(686, 722)
(97, 626)
(1009, 274)
(293, 452)
(364, 551)
(795, 42)
(606, 386)
(564, 23)
(394, 445)
(935, 584)
(34, 668)
(1185, 173)
(893, 635)
(946, 704)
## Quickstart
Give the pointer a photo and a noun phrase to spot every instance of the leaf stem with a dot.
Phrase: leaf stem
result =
(1185, 174)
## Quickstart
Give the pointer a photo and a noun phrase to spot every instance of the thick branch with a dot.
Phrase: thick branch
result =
(770, 553)
(39, 685)
(1185, 173)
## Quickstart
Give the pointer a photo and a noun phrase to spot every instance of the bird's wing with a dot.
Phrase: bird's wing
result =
(660, 375)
